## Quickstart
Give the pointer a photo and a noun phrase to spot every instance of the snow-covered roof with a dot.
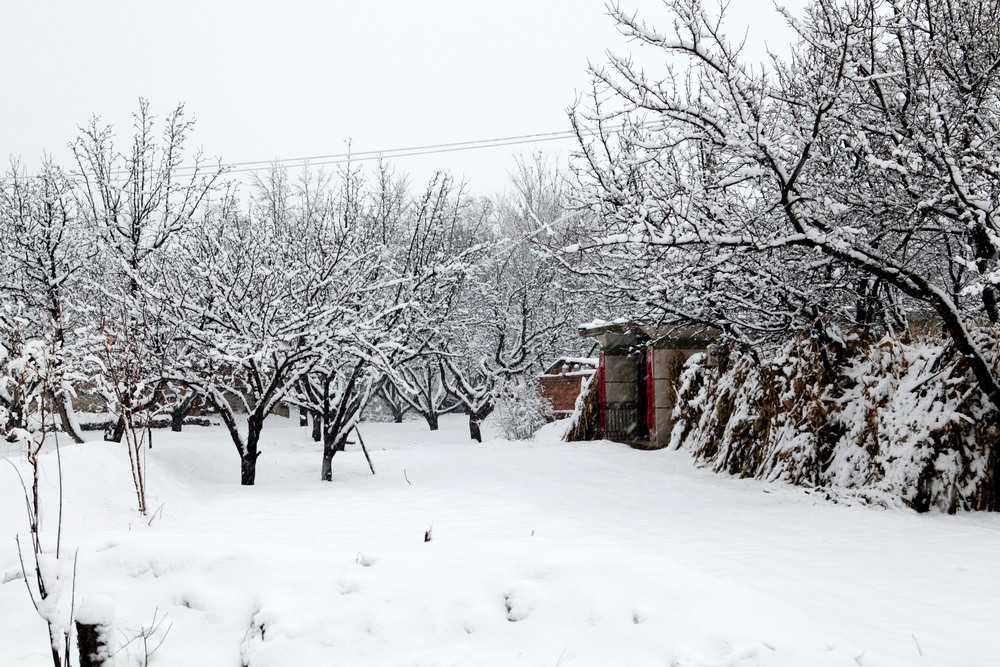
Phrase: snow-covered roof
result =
(572, 366)
(662, 331)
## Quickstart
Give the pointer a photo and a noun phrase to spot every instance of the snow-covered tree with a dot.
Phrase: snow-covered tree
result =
(242, 297)
(138, 202)
(855, 180)
(521, 408)
(392, 401)
(43, 251)
(519, 307)
(395, 292)
(453, 226)
(421, 385)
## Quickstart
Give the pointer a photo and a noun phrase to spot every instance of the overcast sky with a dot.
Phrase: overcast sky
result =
(271, 80)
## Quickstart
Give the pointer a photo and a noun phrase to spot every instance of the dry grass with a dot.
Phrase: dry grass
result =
(852, 428)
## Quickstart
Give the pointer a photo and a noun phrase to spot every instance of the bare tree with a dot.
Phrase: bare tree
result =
(513, 321)
(420, 384)
(518, 307)
(138, 201)
(393, 401)
(35, 369)
(861, 170)
(44, 248)
(399, 285)
(241, 297)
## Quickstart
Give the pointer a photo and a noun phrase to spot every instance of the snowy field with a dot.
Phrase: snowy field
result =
(542, 553)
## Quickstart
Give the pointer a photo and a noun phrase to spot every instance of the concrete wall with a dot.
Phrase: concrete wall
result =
(672, 346)
(667, 366)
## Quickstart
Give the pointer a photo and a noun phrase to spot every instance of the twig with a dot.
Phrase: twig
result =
(24, 571)
(144, 633)
(153, 629)
(72, 613)
(919, 650)
(158, 510)
(407, 478)
(27, 496)
(60, 520)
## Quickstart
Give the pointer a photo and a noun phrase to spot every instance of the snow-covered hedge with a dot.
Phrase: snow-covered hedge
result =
(894, 423)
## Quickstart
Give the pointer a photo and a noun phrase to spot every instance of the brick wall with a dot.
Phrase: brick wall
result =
(561, 390)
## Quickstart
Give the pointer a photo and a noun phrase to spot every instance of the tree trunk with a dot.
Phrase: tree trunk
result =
(432, 420)
(317, 434)
(178, 414)
(397, 416)
(64, 406)
(248, 462)
(248, 469)
(475, 422)
(303, 417)
(326, 470)
(15, 410)
(92, 641)
(116, 432)
(333, 442)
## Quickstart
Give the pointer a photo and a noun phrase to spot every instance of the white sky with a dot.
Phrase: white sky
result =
(272, 79)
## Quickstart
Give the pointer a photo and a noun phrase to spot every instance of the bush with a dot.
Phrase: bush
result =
(521, 409)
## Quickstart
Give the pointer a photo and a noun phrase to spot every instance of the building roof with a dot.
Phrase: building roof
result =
(572, 366)
(663, 334)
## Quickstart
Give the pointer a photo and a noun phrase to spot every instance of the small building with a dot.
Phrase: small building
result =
(637, 378)
(562, 382)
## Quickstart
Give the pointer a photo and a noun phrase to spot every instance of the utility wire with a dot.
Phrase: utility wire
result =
(393, 153)
(374, 155)
(424, 150)
(414, 151)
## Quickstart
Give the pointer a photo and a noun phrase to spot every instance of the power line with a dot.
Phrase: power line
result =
(250, 166)
(424, 150)
(378, 155)
(414, 151)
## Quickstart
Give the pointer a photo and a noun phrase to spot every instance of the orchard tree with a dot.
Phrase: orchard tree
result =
(861, 171)
(454, 227)
(397, 287)
(512, 319)
(421, 385)
(242, 297)
(43, 250)
(519, 307)
(393, 401)
(347, 235)
(509, 330)
(137, 202)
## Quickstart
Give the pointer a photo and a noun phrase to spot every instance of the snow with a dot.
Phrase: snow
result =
(543, 553)
(96, 610)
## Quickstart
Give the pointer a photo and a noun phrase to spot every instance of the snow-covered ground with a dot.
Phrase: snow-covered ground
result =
(542, 553)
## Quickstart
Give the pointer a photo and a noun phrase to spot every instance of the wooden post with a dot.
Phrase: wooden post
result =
(365, 450)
